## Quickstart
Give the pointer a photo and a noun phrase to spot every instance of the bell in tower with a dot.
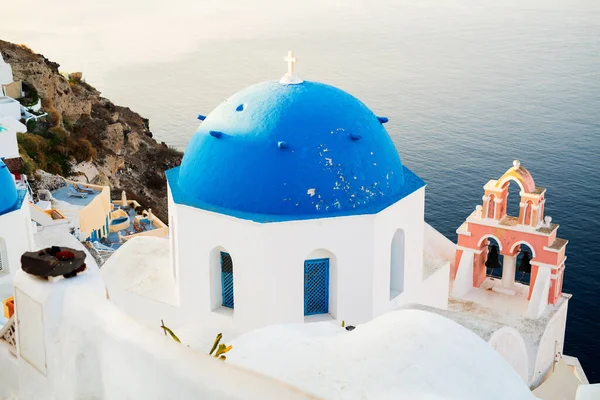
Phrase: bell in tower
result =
(525, 265)
(493, 260)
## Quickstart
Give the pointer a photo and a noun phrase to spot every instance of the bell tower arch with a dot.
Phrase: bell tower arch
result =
(545, 253)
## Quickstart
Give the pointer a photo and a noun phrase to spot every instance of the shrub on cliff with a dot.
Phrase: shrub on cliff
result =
(34, 146)
(83, 150)
(47, 153)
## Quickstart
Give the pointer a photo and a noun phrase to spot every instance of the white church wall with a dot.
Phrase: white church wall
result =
(268, 265)
(551, 343)
(509, 343)
(433, 291)
(93, 350)
(407, 214)
(346, 241)
(199, 234)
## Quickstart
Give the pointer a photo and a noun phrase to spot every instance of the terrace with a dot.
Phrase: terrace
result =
(69, 195)
(129, 221)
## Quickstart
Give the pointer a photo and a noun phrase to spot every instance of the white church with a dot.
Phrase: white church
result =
(297, 233)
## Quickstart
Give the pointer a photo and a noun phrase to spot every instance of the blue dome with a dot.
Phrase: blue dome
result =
(282, 152)
(8, 190)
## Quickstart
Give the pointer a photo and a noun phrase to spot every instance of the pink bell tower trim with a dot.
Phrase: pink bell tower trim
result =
(530, 228)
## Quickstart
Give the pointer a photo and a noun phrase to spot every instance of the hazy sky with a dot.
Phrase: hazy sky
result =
(138, 31)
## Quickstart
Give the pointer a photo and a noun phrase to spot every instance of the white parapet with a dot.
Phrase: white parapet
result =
(75, 344)
(463, 282)
(9, 107)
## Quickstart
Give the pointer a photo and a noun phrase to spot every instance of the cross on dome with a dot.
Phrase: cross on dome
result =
(290, 78)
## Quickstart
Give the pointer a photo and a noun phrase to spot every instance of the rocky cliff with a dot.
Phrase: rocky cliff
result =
(88, 137)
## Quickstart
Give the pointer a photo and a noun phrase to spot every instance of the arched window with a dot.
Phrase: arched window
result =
(491, 206)
(316, 286)
(3, 257)
(173, 244)
(397, 264)
(513, 199)
(523, 263)
(528, 213)
(221, 279)
(226, 280)
(493, 257)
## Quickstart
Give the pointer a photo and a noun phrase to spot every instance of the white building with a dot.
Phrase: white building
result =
(10, 114)
(9, 127)
(10, 107)
(291, 205)
(8, 87)
(15, 229)
(6, 75)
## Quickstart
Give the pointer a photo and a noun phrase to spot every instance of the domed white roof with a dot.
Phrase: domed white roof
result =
(406, 354)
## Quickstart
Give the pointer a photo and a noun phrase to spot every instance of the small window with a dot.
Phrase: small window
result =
(316, 286)
(397, 264)
(227, 280)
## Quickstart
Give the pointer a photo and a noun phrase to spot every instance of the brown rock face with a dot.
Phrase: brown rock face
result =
(126, 156)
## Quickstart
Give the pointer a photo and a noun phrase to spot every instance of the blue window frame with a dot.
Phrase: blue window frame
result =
(316, 286)
(227, 279)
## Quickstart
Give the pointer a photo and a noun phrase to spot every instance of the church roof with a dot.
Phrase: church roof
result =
(405, 354)
(9, 197)
(278, 151)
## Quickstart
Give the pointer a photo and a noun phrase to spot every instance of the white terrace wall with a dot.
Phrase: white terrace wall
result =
(9, 147)
(407, 215)
(551, 343)
(16, 237)
(75, 344)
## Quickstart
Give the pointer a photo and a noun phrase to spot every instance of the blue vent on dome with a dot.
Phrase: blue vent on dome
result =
(316, 286)
(338, 159)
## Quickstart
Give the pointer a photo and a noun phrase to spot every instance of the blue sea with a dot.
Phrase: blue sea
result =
(468, 86)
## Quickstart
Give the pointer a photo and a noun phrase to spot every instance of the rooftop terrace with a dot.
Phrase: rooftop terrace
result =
(63, 194)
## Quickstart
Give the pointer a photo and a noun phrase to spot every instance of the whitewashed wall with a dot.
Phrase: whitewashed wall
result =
(9, 107)
(434, 290)
(552, 341)
(408, 215)
(269, 260)
(15, 230)
(6, 75)
(9, 147)
(85, 348)
(509, 343)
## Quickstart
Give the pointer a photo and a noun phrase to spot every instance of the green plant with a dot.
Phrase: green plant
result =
(219, 349)
(31, 125)
(169, 331)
